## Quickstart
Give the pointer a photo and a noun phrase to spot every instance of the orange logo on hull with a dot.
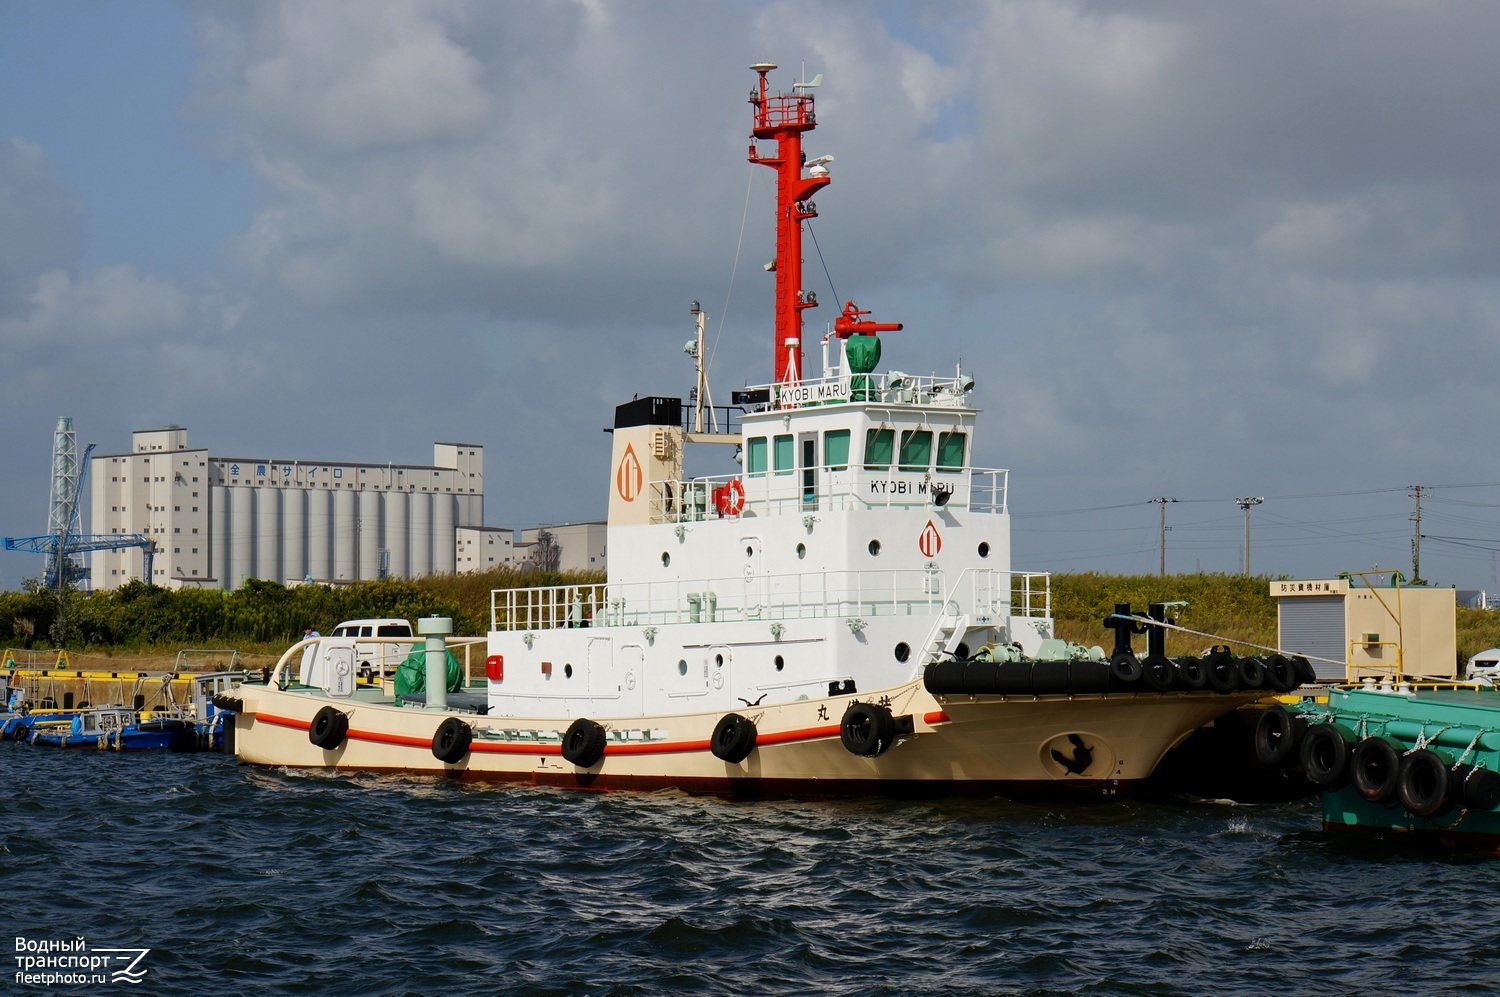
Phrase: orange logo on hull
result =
(628, 475)
(930, 542)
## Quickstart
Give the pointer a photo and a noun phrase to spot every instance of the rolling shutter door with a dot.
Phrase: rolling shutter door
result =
(1314, 626)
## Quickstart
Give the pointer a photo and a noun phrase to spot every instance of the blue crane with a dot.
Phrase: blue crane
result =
(63, 546)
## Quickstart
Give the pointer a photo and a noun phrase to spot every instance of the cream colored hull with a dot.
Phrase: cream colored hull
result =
(1098, 746)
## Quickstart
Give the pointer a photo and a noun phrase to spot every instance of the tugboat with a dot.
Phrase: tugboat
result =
(837, 614)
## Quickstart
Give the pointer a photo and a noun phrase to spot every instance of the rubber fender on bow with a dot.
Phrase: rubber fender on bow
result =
(1278, 734)
(1159, 673)
(1375, 768)
(867, 729)
(1280, 675)
(733, 738)
(1222, 674)
(583, 743)
(1252, 674)
(328, 729)
(1190, 672)
(1424, 784)
(1325, 755)
(451, 740)
(1125, 669)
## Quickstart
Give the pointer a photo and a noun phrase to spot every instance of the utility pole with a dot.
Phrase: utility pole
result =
(1246, 504)
(1162, 544)
(1416, 539)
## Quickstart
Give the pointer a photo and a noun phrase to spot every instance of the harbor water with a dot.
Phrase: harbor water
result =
(241, 880)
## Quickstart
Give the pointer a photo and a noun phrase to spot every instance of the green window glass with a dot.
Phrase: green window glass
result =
(836, 449)
(950, 455)
(782, 454)
(879, 444)
(755, 457)
(916, 449)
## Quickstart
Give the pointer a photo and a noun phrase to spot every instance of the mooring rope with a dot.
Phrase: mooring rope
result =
(1215, 637)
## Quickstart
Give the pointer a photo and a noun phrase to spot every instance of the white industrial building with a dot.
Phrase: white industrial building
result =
(220, 520)
(565, 547)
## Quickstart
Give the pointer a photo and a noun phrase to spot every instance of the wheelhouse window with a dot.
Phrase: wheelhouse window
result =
(950, 452)
(836, 449)
(916, 449)
(755, 456)
(879, 446)
(782, 454)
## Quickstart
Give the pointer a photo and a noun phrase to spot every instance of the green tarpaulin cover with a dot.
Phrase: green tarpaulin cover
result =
(411, 674)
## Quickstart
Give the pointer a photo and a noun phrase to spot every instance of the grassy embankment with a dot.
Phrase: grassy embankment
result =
(261, 618)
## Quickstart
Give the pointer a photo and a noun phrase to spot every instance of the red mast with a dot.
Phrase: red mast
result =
(782, 118)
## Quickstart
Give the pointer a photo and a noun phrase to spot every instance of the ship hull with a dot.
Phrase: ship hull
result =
(1099, 747)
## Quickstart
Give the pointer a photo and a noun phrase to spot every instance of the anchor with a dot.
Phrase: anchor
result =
(1083, 756)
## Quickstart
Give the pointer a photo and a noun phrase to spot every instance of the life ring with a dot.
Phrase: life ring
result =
(1277, 735)
(451, 742)
(1375, 769)
(583, 744)
(733, 738)
(732, 498)
(1325, 755)
(1424, 786)
(328, 728)
(867, 729)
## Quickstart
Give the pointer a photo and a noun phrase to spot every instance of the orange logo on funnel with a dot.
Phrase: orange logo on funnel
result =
(628, 475)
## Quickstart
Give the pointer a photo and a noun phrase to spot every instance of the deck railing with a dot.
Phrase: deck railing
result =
(987, 596)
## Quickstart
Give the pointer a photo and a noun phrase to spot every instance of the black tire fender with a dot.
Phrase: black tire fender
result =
(1375, 769)
(1280, 675)
(1125, 668)
(733, 738)
(1424, 784)
(1278, 735)
(451, 740)
(328, 729)
(1325, 755)
(1252, 673)
(867, 729)
(1190, 672)
(1223, 676)
(583, 743)
(1159, 673)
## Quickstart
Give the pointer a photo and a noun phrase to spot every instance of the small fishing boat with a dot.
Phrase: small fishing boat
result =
(836, 613)
(197, 725)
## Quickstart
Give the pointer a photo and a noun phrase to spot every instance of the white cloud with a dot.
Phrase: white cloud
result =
(113, 304)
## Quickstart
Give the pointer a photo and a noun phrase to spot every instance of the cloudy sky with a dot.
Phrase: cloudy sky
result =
(1198, 251)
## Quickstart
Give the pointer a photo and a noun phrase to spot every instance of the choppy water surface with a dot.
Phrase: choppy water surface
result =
(244, 880)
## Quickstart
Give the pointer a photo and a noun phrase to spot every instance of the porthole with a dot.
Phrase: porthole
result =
(801, 551)
(749, 551)
(682, 666)
(780, 664)
(874, 548)
(567, 671)
(903, 651)
(984, 548)
(718, 661)
(961, 652)
(666, 559)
